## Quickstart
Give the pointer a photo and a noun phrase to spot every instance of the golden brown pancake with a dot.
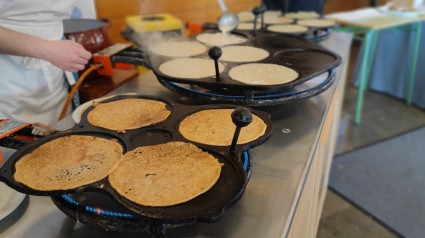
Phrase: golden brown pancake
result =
(68, 162)
(215, 127)
(127, 114)
(263, 74)
(165, 174)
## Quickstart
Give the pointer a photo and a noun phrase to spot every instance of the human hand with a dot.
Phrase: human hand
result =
(67, 55)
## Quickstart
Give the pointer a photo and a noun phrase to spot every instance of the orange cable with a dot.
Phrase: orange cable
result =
(75, 88)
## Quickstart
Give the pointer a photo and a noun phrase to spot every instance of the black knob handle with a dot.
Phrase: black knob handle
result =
(241, 116)
(215, 52)
(259, 10)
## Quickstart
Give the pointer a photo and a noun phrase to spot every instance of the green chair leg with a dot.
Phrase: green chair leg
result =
(370, 41)
(414, 61)
(371, 54)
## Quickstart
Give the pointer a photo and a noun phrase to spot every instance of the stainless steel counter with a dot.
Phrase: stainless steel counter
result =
(266, 209)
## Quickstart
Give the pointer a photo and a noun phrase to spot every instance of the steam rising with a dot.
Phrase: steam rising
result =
(145, 40)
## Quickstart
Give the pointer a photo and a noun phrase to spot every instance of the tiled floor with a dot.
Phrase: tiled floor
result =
(383, 117)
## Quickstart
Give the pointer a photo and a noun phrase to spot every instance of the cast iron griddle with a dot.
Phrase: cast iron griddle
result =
(316, 34)
(104, 212)
(206, 207)
(306, 57)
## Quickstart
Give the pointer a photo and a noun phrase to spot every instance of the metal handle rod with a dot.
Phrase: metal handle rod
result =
(217, 72)
(222, 5)
(235, 139)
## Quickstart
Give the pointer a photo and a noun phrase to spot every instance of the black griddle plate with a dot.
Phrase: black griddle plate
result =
(252, 98)
(305, 56)
(206, 207)
(103, 212)
(316, 34)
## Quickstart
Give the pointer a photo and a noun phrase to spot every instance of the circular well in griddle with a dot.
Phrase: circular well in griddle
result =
(308, 61)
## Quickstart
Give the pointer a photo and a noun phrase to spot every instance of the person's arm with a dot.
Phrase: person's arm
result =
(65, 54)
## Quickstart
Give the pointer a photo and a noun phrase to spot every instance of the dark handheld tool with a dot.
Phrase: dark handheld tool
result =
(242, 117)
(215, 53)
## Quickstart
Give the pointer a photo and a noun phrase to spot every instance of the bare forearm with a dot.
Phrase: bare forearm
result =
(65, 54)
(16, 43)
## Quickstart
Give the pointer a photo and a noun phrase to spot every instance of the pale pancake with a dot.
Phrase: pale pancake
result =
(302, 15)
(68, 162)
(242, 54)
(190, 68)
(178, 48)
(165, 174)
(220, 39)
(263, 74)
(317, 23)
(273, 19)
(127, 114)
(269, 13)
(287, 28)
(215, 127)
(249, 26)
(246, 16)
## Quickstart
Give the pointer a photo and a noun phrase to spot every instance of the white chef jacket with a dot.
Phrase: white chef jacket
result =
(33, 90)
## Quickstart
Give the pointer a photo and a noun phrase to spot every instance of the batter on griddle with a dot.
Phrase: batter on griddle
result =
(165, 174)
(68, 162)
(215, 127)
(127, 114)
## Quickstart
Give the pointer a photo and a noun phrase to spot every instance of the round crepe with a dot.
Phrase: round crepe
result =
(288, 28)
(127, 114)
(272, 13)
(243, 54)
(68, 162)
(302, 15)
(190, 68)
(275, 19)
(249, 26)
(215, 127)
(246, 16)
(220, 39)
(263, 74)
(317, 23)
(178, 48)
(165, 174)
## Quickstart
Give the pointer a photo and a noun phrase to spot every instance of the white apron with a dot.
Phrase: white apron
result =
(33, 90)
